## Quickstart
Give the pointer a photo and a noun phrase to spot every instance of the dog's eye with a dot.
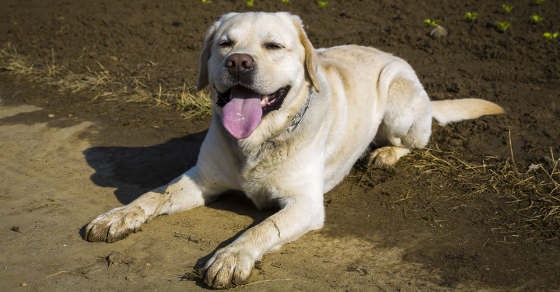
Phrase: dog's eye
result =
(225, 44)
(273, 46)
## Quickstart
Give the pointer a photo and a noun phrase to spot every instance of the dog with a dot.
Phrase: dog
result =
(289, 122)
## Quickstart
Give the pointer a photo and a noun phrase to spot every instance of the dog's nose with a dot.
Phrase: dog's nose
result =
(240, 63)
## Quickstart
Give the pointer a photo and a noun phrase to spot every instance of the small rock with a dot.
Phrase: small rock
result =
(116, 257)
(534, 166)
(438, 32)
(23, 284)
(353, 268)
(51, 116)
(15, 228)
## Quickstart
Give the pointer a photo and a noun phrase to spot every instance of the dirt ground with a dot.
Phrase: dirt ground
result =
(96, 108)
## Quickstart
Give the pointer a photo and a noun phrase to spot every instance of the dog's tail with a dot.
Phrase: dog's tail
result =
(454, 110)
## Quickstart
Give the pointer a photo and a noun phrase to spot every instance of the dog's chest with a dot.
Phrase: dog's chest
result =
(262, 174)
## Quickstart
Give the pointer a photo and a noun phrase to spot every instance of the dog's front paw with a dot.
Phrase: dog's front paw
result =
(228, 267)
(115, 224)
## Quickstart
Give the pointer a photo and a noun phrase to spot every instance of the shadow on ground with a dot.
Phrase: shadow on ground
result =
(136, 170)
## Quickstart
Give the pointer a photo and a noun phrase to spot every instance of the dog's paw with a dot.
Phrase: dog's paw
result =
(115, 224)
(230, 266)
(387, 156)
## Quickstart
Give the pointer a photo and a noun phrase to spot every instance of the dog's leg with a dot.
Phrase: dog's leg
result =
(232, 264)
(406, 124)
(184, 192)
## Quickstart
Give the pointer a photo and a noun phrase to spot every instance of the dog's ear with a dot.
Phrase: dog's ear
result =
(311, 59)
(205, 56)
(207, 48)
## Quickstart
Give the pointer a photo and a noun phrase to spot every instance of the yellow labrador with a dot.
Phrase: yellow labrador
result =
(288, 124)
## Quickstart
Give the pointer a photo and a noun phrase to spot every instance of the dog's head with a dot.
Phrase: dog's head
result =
(256, 65)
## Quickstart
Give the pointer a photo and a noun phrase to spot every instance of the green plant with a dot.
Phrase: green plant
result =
(471, 16)
(250, 3)
(285, 1)
(550, 36)
(322, 3)
(507, 8)
(431, 22)
(206, 1)
(539, 2)
(536, 18)
(502, 25)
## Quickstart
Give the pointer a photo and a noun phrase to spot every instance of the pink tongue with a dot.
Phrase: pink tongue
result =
(242, 114)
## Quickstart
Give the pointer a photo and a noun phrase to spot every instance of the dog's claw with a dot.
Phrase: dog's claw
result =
(228, 267)
(115, 224)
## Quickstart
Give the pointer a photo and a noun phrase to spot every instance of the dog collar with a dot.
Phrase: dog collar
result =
(298, 117)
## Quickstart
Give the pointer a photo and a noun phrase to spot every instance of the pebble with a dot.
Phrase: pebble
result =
(534, 166)
(438, 32)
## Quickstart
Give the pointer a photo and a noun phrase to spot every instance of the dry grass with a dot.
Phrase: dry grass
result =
(12, 61)
(51, 73)
(101, 83)
(520, 203)
(185, 99)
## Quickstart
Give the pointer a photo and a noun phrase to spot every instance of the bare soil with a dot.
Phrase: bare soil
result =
(91, 117)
